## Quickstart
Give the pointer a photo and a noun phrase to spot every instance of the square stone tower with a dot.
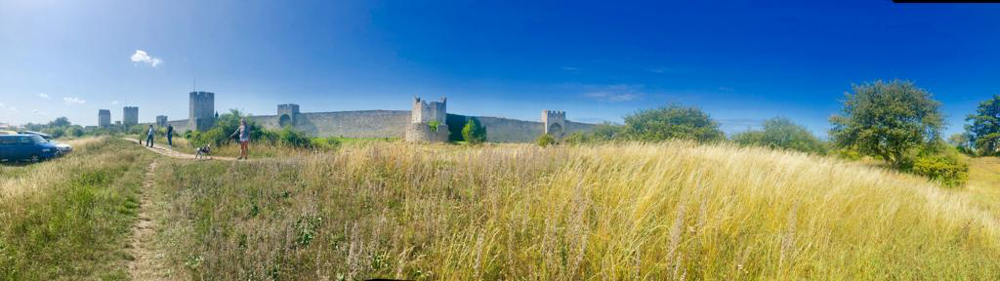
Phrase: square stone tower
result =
(161, 120)
(201, 109)
(104, 118)
(130, 116)
(424, 112)
(427, 121)
(287, 114)
(555, 122)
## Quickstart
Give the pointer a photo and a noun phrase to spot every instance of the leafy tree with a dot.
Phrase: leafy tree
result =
(984, 132)
(60, 122)
(672, 122)
(224, 126)
(961, 142)
(887, 120)
(545, 140)
(780, 132)
(74, 131)
(473, 132)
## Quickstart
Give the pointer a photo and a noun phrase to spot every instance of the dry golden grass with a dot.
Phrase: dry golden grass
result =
(627, 211)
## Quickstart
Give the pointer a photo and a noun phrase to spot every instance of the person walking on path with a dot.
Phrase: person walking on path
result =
(149, 136)
(244, 134)
(170, 135)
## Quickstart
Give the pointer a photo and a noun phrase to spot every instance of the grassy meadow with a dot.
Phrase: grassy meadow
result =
(68, 219)
(675, 210)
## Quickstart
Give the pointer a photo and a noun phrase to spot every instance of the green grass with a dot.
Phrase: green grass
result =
(69, 218)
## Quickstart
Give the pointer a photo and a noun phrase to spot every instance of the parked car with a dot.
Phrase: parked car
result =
(26, 147)
(63, 148)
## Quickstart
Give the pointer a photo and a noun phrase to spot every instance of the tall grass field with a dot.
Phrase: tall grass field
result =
(670, 211)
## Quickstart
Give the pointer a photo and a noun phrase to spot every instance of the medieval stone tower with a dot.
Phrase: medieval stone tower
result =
(104, 118)
(201, 110)
(427, 121)
(555, 122)
(161, 120)
(287, 114)
(130, 116)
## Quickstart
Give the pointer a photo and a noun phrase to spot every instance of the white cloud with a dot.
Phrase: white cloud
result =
(615, 93)
(143, 57)
(12, 109)
(114, 102)
(570, 68)
(44, 96)
(71, 100)
(39, 112)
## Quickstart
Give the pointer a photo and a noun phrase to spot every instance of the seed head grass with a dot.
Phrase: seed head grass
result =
(676, 210)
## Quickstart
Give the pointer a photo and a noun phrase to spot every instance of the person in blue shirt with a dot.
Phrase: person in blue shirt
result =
(149, 136)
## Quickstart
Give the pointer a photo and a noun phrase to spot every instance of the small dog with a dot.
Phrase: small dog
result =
(204, 152)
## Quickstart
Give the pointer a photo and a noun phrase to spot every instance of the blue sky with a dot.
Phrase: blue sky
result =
(742, 61)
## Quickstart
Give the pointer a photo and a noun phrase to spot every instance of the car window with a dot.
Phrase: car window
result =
(24, 140)
(38, 139)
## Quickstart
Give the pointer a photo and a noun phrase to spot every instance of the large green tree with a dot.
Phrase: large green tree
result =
(780, 132)
(984, 132)
(887, 120)
(672, 122)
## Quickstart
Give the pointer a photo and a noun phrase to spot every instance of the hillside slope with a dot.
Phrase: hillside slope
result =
(669, 211)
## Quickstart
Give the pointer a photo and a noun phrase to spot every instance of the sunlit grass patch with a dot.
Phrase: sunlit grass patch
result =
(68, 218)
(621, 211)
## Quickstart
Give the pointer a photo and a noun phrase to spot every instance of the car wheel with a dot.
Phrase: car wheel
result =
(35, 158)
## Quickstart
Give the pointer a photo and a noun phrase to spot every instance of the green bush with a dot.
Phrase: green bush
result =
(672, 122)
(434, 125)
(293, 138)
(74, 131)
(473, 132)
(948, 170)
(326, 143)
(545, 140)
(576, 138)
(781, 133)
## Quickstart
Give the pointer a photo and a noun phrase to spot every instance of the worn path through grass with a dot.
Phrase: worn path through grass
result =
(165, 151)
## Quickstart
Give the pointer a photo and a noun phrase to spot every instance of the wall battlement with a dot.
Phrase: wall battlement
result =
(424, 112)
(287, 114)
(413, 125)
(555, 122)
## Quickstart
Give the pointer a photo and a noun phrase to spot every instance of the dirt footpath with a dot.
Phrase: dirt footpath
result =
(166, 151)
